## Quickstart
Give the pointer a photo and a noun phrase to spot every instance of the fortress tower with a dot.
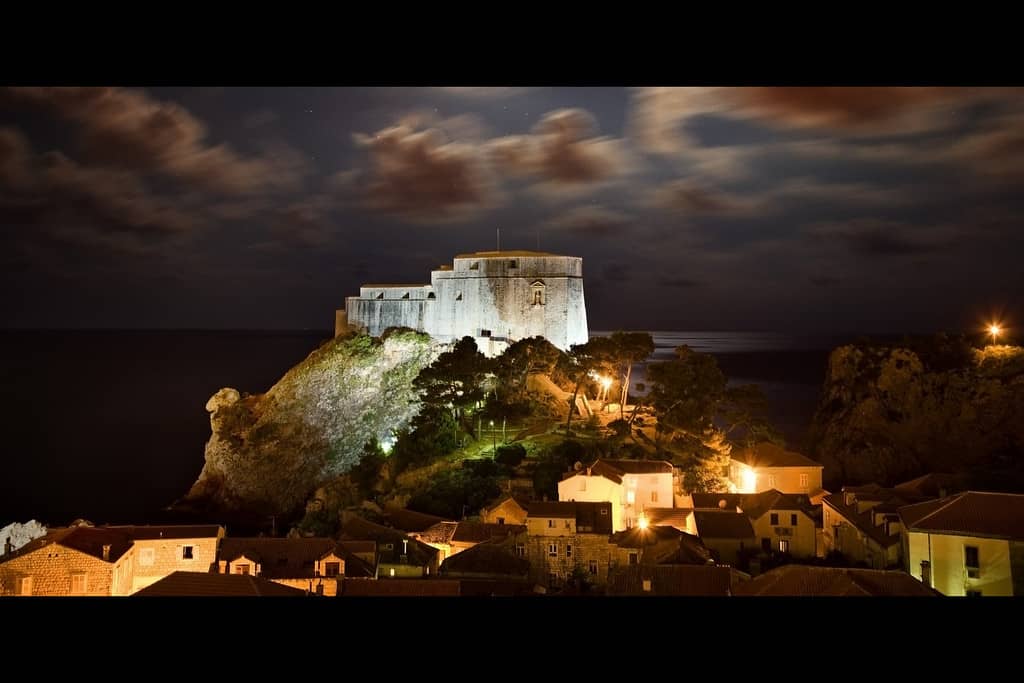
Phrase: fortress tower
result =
(496, 297)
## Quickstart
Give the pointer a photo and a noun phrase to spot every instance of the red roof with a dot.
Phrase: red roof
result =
(186, 584)
(795, 580)
(972, 513)
(398, 587)
(767, 454)
(666, 579)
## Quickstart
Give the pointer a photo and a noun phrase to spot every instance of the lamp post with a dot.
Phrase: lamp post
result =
(995, 331)
(494, 441)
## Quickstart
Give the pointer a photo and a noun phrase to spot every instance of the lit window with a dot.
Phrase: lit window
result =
(332, 568)
(553, 549)
(520, 550)
(971, 561)
(783, 546)
(78, 583)
(775, 519)
(771, 481)
(25, 585)
(186, 552)
(593, 567)
(630, 496)
(803, 481)
(146, 556)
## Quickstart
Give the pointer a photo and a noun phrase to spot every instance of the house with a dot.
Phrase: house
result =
(452, 538)
(206, 584)
(411, 521)
(397, 554)
(766, 466)
(862, 523)
(110, 560)
(506, 510)
(782, 522)
(804, 580)
(726, 533)
(971, 543)
(657, 545)
(80, 560)
(674, 580)
(308, 564)
(631, 486)
(162, 550)
(567, 539)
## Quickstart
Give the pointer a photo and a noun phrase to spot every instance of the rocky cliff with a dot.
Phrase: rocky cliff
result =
(888, 414)
(268, 452)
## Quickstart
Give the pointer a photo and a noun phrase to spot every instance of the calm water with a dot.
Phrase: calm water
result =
(110, 426)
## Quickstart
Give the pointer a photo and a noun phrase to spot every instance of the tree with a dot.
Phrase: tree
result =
(456, 380)
(523, 358)
(582, 362)
(630, 348)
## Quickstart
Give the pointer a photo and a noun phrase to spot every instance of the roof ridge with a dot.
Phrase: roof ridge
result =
(952, 499)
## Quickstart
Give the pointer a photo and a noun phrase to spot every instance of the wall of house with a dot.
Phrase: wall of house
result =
(550, 526)
(491, 296)
(949, 575)
(328, 585)
(802, 537)
(402, 571)
(728, 549)
(649, 491)
(585, 547)
(855, 544)
(168, 558)
(52, 567)
(787, 479)
(595, 489)
(509, 510)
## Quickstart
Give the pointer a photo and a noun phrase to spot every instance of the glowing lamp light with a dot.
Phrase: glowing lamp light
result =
(606, 382)
(995, 330)
(642, 522)
(749, 480)
(387, 443)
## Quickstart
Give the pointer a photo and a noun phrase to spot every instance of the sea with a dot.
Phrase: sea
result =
(110, 426)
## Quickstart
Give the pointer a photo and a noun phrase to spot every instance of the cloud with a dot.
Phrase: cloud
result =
(593, 220)
(304, 223)
(562, 152)
(484, 93)
(130, 130)
(688, 197)
(421, 176)
(877, 237)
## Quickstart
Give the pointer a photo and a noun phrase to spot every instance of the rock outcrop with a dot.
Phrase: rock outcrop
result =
(269, 452)
(17, 534)
(888, 414)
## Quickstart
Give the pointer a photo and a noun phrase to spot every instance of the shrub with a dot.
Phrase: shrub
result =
(510, 455)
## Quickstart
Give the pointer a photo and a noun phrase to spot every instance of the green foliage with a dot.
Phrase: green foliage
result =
(620, 428)
(630, 348)
(366, 472)
(686, 391)
(455, 492)
(432, 436)
(520, 359)
(320, 522)
(551, 464)
(456, 380)
(511, 455)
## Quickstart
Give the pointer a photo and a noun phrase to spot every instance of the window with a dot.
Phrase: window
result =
(568, 524)
(78, 583)
(551, 524)
(431, 296)
(654, 496)
(792, 520)
(926, 572)
(25, 585)
(783, 546)
(512, 264)
(971, 561)
(520, 550)
(146, 556)
(974, 594)
(332, 568)
(186, 552)
(475, 266)
(771, 481)
(485, 333)
(381, 295)
(634, 558)
(389, 546)
(604, 511)
(242, 568)
(458, 296)
(775, 519)
(568, 549)
(501, 520)
(803, 481)
(593, 567)
(552, 549)
(391, 572)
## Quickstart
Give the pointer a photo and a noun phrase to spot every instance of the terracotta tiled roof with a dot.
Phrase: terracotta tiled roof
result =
(85, 539)
(185, 584)
(478, 532)
(441, 533)
(767, 454)
(289, 558)
(411, 520)
(724, 524)
(833, 581)
(934, 484)
(418, 553)
(668, 580)
(486, 558)
(399, 587)
(886, 501)
(674, 517)
(507, 497)
(638, 466)
(555, 509)
(148, 533)
(972, 513)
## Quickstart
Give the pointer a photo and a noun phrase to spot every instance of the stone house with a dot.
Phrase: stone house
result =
(567, 538)
(78, 561)
(309, 564)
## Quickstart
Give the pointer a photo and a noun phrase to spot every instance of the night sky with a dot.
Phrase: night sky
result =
(783, 209)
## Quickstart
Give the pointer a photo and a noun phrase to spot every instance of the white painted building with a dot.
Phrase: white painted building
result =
(496, 297)
(631, 486)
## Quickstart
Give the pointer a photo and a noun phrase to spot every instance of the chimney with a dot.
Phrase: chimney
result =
(8, 547)
(222, 566)
(106, 553)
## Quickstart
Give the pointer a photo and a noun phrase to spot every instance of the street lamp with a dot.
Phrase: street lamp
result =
(494, 440)
(606, 382)
(995, 331)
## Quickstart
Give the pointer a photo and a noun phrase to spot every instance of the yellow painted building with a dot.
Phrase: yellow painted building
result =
(631, 486)
(765, 466)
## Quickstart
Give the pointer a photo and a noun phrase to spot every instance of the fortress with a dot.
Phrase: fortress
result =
(496, 297)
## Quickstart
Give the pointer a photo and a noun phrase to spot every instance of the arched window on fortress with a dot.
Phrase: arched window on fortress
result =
(538, 293)
(431, 296)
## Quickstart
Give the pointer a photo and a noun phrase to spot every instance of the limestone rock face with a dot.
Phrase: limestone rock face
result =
(884, 416)
(268, 452)
(19, 534)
